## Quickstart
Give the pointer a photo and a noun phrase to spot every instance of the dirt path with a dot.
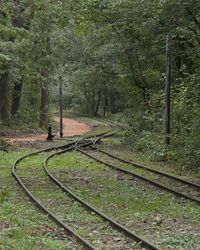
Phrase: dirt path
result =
(70, 128)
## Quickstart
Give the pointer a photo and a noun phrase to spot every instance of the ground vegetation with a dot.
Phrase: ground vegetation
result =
(110, 56)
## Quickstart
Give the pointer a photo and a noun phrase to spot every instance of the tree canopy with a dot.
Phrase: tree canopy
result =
(110, 56)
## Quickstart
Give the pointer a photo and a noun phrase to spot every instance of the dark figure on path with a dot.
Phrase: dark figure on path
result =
(50, 136)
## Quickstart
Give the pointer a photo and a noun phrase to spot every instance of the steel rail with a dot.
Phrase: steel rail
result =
(112, 222)
(54, 218)
(142, 178)
(179, 179)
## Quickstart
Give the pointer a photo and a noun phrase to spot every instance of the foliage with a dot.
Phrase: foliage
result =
(110, 56)
(4, 145)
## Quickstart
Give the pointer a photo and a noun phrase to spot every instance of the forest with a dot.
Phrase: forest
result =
(110, 57)
(100, 124)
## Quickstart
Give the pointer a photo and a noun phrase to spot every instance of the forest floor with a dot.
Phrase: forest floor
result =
(158, 216)
(71, 128)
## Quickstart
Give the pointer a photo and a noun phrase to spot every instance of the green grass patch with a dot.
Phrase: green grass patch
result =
(130, 201)
(22, 226)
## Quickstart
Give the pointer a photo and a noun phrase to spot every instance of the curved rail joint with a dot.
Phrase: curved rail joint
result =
(113, 223)
(54, 218)
(142, 178)
(149, 169)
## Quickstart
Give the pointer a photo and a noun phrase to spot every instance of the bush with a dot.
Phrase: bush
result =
(147, 126)
(4, 145)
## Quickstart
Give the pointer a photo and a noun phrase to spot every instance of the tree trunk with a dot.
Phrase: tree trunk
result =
(113, 108)
(98, 103)
(168, 92)
(4, 98)
(86, 98)
(16, 98)
(105, 109)
(93, 100)
(44, 105)
(61, 106)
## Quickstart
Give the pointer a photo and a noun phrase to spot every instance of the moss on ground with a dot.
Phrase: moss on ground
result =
(160, 217)
(164, 219)
(22, 226)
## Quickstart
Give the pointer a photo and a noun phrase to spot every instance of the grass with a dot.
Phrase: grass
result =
(163, 219)
(158, 216)
(22, 226)
(126, 152)
(83, 222)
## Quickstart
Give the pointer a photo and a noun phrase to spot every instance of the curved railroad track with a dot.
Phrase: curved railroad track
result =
(133, 239)
(181, 187)
(112, 222)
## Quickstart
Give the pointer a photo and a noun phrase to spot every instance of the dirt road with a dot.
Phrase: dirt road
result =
(70, 128)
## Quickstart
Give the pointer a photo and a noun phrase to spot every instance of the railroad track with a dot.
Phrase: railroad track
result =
(173, 184)
(41, 199)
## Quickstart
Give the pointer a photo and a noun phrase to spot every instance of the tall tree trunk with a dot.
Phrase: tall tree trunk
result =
(168, 91)
(4, 98)
(113, 108)
(86, 98)
(93, 100)
(98, 103)
(105, 109)
(16, 97)
(44, 105)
